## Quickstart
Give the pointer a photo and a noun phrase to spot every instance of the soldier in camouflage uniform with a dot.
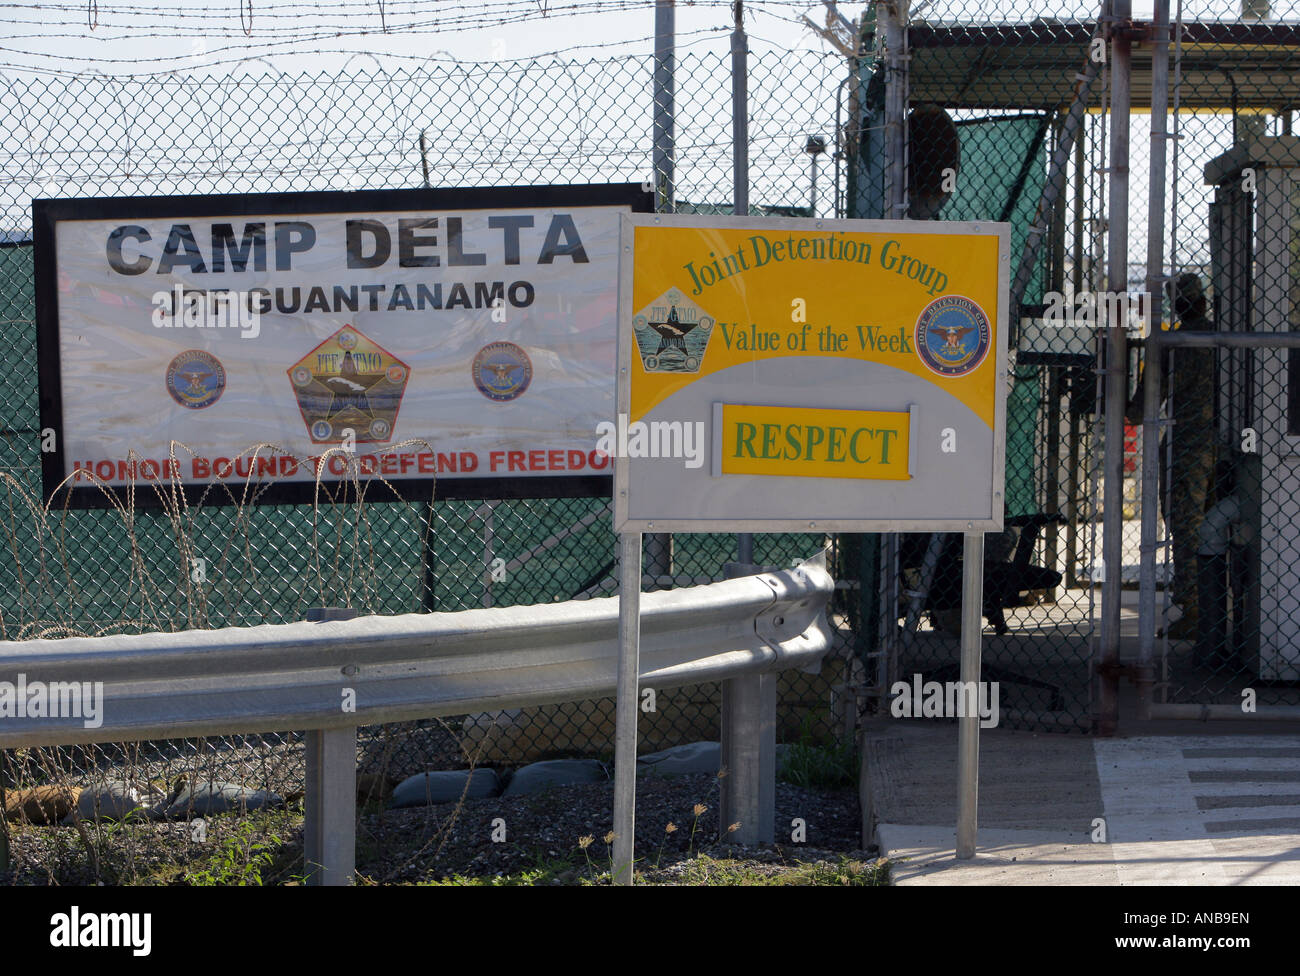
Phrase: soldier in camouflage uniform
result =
(1188, 388)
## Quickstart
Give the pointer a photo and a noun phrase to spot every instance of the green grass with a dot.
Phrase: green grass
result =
(714, 872)
(820, 766)
(543, 872)
(702, 871)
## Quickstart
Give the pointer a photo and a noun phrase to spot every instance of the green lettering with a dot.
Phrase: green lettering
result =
(853, 444)
(885, 435)
(792, 442)
(833, 444)
(815, 437)
(745, 440)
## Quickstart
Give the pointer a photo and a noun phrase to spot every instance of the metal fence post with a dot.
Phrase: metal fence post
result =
(740, 174)
(968, 725)
(748, 793)
(330, 794)
(1150, 505)
(664, 99)
(893, 16)
(1116, 386)
(658, 546)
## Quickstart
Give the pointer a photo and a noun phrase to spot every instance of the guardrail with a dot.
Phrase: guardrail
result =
(390, 669)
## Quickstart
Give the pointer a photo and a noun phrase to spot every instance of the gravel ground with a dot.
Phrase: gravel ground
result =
(550, 826)
(433, 843)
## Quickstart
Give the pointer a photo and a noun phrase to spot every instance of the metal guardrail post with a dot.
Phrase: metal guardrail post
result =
(968, 726)
(330, 795)
(748, 750)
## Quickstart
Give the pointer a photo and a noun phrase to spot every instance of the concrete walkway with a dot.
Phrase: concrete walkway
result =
(1173, 808)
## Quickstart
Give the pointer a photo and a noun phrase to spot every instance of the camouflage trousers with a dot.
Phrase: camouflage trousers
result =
(1190, 473)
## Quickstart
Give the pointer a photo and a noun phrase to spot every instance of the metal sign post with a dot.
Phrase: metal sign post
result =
(626, 712)
(757, 392)
(968, 728)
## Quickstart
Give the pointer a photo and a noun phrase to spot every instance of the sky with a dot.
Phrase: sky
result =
(135, 36)
(184, 40)
(153, 36)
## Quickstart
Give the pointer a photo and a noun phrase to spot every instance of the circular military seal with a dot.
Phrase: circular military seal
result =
(502, 371)
(301, 376)
(196, 379)
(321, 430)
(952, 335)
(347, 340)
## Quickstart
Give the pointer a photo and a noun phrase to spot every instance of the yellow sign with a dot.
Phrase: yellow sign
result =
(839, 375)
(814, 443)
(706, 299)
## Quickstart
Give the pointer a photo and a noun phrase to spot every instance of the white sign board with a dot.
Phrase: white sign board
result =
(797, 374)
(464, 334)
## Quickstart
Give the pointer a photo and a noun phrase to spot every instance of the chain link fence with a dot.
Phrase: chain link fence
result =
(1006, 117)
(140, 567)
(1001, 128)
(1227, 490)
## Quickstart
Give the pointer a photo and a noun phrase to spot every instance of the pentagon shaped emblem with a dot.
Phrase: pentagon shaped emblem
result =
(349, 382)
(672, 334)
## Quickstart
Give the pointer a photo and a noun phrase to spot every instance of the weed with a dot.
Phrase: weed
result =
(723, 872)
(239, 860)
(819, 765)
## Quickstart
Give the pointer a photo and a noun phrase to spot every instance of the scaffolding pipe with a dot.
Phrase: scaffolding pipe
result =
(893, 15)
(1055, 185)
(1152, 367)
(1116, 383)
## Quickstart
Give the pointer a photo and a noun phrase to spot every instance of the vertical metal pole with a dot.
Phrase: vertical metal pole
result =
(740, 171)
(429, 596)
(330, 794)
(1112, 544)
(664, 104)
(4, 821)
(893, 15)
(968, 726)
(812, 194)
(488, 533)
(1052, 479)
(659, 545)
(330, 806)
(748, 703)
(1072, 441)
(748, 793)
(626, 711)
(740, 115)
(1152, 368)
